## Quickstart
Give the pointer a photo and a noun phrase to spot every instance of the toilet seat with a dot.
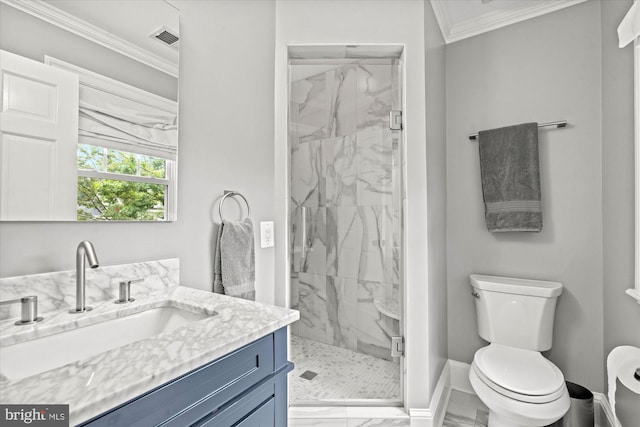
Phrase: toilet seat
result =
(519, 374)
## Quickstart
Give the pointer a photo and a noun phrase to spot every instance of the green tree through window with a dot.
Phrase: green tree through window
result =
(116, 192)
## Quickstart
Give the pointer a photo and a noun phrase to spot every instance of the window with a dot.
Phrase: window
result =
(118, 185)
(127, 151)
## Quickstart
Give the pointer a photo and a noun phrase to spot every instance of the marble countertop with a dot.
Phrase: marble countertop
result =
(98, 383)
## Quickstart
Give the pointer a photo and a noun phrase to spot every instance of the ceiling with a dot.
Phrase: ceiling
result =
(460, 19)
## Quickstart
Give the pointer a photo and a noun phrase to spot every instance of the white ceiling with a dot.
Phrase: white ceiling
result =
(460, 19)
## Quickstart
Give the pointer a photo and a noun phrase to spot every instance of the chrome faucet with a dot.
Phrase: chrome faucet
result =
(85, 248)
(29, 309)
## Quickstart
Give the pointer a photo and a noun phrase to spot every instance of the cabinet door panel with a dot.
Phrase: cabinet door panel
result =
(244, 409)
(261, 417)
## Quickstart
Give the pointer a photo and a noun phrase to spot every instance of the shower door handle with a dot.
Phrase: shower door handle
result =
(395, 120)
(303, 211)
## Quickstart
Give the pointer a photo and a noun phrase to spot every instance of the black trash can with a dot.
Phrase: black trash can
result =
(580, 412)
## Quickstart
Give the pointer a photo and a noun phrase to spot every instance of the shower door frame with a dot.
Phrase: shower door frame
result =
(286, 206)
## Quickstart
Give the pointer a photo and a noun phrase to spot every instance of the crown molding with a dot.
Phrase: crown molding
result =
(454, 31)
(66, 21)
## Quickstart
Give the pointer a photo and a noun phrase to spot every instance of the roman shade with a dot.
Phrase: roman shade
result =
(114, 121)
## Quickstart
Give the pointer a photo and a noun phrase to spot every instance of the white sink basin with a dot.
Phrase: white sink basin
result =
(42, 354)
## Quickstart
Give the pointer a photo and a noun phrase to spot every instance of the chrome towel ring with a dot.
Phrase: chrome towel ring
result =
(228, 193)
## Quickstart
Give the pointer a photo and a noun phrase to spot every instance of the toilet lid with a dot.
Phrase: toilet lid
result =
(522, 374)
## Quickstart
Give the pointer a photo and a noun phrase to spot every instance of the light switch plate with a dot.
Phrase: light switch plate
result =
(266, 234)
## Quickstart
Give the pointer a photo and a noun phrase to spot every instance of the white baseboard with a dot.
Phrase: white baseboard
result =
(434, 415)
(441, 395)
(420, 413)
(605, 408)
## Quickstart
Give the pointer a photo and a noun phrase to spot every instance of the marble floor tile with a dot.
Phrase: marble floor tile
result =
(359, 422)
(377, 422)
(317, 412)
(319, 422)
(382, 412)
(465, 410)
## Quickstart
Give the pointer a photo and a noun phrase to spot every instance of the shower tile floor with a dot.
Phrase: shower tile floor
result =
(341, 374)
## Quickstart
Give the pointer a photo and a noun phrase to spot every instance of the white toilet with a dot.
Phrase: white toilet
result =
(519, 386)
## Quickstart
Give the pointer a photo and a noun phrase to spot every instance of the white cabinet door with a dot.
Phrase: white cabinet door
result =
(39, 140)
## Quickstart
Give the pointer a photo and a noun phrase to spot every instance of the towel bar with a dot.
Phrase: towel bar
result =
(231, 193)
(557, 124)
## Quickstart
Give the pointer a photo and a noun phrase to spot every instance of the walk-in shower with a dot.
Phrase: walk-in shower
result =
(345, 223)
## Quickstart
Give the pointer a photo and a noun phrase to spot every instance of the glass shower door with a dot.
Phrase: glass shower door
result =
(345, 230)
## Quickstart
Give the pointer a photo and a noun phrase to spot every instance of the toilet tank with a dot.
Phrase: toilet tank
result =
(515, 312)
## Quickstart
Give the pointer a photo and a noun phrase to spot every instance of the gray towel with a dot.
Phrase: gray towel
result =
(510, 169)
(234, 260)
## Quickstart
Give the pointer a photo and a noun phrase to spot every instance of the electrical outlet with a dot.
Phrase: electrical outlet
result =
(266, 234)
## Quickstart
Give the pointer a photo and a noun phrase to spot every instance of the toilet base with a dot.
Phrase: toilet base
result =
(506, 412)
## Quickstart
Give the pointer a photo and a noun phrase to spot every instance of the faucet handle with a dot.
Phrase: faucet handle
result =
(29, 309)
(125, 290)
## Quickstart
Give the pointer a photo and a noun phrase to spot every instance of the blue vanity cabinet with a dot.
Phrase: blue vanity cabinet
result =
(245, 388)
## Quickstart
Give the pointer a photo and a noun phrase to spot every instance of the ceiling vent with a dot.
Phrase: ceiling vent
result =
(167, 36)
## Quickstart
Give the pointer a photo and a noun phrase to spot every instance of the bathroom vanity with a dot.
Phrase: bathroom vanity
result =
(247, 387)
(206, 359)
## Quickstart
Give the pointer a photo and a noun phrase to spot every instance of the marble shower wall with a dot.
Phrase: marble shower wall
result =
(345, 198)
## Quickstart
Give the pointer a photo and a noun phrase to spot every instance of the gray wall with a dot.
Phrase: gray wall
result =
(511, 76)
(547, 68)
(226, 142)
(436, 193)
(621, 313)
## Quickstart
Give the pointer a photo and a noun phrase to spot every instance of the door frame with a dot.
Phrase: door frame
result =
(282, 192)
